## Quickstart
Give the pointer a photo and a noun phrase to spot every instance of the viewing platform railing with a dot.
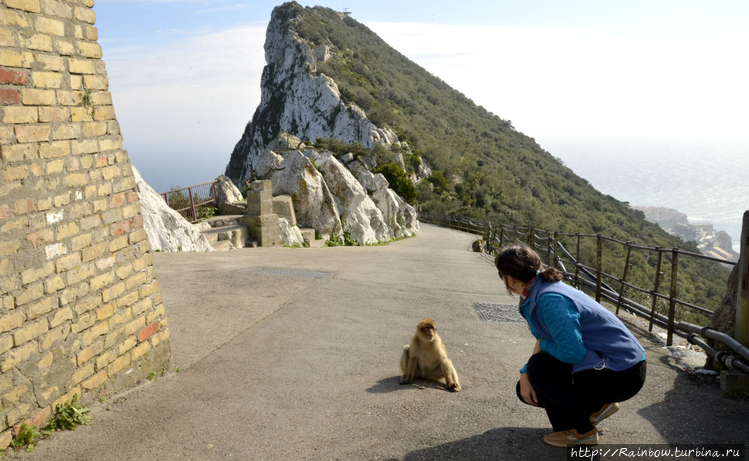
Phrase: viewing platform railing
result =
(189, 201)
(549, 246)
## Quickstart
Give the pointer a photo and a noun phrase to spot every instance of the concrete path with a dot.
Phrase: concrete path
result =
(289, 354)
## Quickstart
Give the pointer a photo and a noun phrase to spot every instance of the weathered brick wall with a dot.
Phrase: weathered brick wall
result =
(80, 305)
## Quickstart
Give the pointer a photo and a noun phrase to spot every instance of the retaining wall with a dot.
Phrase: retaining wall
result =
(80, 305)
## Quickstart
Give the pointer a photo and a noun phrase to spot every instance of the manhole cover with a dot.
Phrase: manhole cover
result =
(498, 312)
(292, 273)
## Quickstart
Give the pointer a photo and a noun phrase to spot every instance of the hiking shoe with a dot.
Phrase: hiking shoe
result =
(570, 437)
(605, 411)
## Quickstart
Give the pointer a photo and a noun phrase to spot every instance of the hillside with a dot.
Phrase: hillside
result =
(480, 165)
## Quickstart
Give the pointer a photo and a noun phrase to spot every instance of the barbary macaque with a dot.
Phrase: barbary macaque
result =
(426, 358)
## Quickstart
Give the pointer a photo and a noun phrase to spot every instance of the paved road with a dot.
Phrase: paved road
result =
(289, 354)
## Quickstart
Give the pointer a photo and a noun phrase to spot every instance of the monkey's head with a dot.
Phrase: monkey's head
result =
(427, 329)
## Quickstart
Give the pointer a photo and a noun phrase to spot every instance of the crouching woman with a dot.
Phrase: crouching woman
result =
(585, 359)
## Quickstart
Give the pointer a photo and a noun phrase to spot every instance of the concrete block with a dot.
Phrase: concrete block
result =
(734, 382)
(283, 206)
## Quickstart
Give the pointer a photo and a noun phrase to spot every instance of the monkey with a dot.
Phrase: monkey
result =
(426, 358)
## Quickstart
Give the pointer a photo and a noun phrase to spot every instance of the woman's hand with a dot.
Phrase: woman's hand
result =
(527, 391)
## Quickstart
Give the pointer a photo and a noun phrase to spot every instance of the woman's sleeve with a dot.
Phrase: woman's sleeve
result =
(563, 322)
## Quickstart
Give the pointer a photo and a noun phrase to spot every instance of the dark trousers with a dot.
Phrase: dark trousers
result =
(570, 399)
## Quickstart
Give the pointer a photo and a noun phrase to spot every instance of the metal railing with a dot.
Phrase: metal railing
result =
(189, 201)
(550, 247)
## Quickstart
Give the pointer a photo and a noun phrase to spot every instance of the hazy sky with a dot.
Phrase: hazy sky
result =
(185, 74)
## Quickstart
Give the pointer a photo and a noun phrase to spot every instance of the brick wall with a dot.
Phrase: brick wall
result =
(80, 305)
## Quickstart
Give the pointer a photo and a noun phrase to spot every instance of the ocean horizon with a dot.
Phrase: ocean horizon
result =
(706, 180)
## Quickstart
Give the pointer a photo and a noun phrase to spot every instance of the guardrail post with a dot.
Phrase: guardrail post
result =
(672, 297)
(215, 194)
(658, 274)
(624, 278)
(599, 264)
(192, 204)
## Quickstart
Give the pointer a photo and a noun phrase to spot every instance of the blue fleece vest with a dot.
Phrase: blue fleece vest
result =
(610, 344)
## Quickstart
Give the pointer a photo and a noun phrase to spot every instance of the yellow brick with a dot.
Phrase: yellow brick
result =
(107, 113)
(59, 9)
(69, 262)
(6, 134)
(30, 332)
(19, 355)
(113, 293)
(118, 243)
(84, 322)
(79, 242)
(14, 115)
(66, 132)
(86, 304)
(19, 152)
(87, 146)
(63, 315)
(127, 300)
(128, 344)
(80, 274)
(11, 322)
(30, 293)
(55, 149)
(55, 166)
(95, 381)
(82, 374)
(54, 114)
(38, 42)
(66, 230)
(51, 63)
(94, 332)
(136, 280)
(65, 48)
(90, 352)
(106, 311)
(105, 359)
(135, 326)
(100, 281)
(32, 133)
(40, 308)
(32, 6)
(15, 174)
(121, 316)
(50, 26)
(142, 306)
(35, 97)
(139, 350)
(94, 129)
(90, 50)
(85, 15)
(34, 274)
(6, 343)
(11, 58)
(81, 66)
(49, 340)
(118, 364)
(8, 248)
(47, 79)
(6, 38)
(76, 179)
(12, 18)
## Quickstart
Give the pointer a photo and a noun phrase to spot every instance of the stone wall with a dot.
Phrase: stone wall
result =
(80, 305)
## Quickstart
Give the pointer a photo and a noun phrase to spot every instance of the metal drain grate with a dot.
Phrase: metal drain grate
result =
(291, 273)
(498, 312)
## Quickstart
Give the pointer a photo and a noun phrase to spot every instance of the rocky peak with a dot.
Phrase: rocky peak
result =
(296, 101)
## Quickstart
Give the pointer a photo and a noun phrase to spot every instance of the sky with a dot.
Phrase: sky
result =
(185, 74)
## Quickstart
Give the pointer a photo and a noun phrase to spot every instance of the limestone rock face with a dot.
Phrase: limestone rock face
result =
(296, 101)
(359, 214)
(314, 205)
(227, 191)
(290, 235)
(167, 230)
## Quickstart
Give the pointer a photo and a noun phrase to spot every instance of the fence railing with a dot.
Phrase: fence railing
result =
(190, 201)
(549, 245)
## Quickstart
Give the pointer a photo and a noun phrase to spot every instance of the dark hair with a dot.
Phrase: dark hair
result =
(521, 263)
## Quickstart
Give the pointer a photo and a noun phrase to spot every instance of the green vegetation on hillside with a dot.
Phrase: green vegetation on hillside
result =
(483, 167)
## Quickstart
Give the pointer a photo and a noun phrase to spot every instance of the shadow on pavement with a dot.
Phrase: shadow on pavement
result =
(516, 443)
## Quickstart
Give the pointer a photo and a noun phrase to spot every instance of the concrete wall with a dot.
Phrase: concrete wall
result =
(80, 306)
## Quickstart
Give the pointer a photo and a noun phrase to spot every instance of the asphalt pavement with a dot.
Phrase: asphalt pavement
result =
(292, 354)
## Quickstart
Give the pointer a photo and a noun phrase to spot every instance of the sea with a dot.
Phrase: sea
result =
(706, 180)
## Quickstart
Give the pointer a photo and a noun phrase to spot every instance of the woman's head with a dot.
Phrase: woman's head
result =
(523, 264)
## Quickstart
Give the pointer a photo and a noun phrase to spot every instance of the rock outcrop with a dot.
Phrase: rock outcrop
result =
(294, 100)
(167, 230)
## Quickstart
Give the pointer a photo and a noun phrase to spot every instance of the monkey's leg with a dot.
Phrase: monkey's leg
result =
(404, 363)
